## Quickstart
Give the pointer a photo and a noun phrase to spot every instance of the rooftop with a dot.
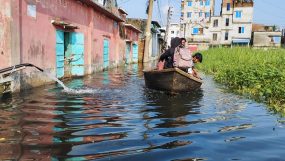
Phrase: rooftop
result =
(133, 27)
(102, 9)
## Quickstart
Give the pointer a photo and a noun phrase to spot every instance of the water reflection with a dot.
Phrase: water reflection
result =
(122, 120)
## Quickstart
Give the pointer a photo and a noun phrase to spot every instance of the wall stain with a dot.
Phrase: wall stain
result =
(37, 52)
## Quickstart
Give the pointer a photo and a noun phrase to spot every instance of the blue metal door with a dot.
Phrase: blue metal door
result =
(128, 49)
(106, 52)
(59, 53)
(77, 63)
(135, 53)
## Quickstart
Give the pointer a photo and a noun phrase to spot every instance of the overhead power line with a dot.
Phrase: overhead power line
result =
(159, 12)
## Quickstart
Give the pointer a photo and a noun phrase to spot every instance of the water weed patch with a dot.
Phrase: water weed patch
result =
(258, 73)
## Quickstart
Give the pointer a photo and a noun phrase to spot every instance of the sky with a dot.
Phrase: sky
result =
(269, 12)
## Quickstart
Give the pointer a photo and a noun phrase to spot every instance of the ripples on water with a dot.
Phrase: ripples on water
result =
(112, 116)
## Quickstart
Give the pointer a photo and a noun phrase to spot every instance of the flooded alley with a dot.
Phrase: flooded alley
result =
(111, 115)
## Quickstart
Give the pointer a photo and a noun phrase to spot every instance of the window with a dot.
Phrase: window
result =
(189, 3)
(238, 14)
(200, 14)
(241, 30)
(201, 3)
(32, 10)
(227, 21)
(189, 14)
(201, 30)
(207, 14)
(216, 23)
(215, 37)
(276, 39)
(228, 6)
(207, 3)
(227, 36)
(195, 31)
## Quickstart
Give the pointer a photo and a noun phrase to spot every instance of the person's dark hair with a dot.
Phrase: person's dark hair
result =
(183, 39)
(198, 56)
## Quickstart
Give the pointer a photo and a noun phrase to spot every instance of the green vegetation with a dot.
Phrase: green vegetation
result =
(257, 73)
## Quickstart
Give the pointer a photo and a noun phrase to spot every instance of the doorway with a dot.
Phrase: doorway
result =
(69, 54)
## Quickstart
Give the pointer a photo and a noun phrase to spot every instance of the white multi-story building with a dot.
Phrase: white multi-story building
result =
(234, 25)
(174, 31)
(195, 19)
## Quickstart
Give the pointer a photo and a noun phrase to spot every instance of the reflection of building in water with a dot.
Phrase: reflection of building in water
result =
(48, 130)
(9, 134)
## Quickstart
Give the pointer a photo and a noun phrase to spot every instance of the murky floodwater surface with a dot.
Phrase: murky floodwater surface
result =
(112, 116)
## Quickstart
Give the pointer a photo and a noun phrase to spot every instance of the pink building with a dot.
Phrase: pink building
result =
(64, 37)
(132, 36)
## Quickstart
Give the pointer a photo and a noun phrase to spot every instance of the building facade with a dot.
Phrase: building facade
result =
(173, 31)
(195, 20)
(266, 36)
(155, 43)
(283, 38)
(202, 28)
(234, 25)
(64, 37)
(132, 48)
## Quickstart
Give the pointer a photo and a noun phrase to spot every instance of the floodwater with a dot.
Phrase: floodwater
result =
(112, 116)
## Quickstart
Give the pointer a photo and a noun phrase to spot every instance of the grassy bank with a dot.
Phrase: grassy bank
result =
(257, 73)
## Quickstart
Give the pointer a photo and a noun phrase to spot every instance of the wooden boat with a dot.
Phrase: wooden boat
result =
(172, 80)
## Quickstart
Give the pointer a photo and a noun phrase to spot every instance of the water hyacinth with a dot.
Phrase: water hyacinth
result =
(258, 73)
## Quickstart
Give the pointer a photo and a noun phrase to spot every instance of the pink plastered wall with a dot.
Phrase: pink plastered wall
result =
(5, 33)
(105, 28)
(39, 34)
(132, 36)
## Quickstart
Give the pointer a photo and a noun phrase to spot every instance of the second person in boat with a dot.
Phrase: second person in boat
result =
(166, 59)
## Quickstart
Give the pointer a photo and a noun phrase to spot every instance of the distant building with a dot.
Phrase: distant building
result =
(131, 35)
(156, 43)
(196, 19)
(174, 31)
(132, 50)
(283, 38)
(234, 25)
(266, 36)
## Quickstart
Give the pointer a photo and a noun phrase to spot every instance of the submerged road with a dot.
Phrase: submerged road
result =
(112, 116)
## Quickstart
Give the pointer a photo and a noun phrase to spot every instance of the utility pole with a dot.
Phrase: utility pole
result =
(169, 14)
(148, 33)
